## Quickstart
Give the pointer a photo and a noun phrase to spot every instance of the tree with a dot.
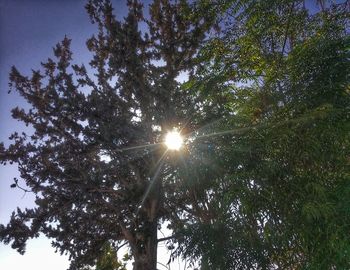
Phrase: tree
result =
(108, 260)
(261, 184)
(92, 185)
(282, 197)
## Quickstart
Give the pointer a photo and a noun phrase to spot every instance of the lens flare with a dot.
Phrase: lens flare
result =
(173, 140)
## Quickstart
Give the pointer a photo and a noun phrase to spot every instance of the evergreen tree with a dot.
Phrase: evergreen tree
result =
(94, 160)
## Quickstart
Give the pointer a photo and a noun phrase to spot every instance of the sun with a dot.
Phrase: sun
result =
(174, 140)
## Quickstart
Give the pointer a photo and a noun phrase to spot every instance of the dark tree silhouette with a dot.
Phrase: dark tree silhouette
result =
(80, 120)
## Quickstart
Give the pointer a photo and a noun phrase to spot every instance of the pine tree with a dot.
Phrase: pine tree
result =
(94, 159)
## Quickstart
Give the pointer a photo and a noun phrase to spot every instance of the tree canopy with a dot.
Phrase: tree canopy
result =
(262, 181)
(284, 200)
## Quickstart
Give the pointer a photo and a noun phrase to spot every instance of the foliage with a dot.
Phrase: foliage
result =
(281, 198)
(108, 260)
(92, 184)
(263, 181)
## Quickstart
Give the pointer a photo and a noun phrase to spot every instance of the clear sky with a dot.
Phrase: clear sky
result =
(28, 31)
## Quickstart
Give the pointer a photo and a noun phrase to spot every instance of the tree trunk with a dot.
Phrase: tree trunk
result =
(145, 257)
(145, 244)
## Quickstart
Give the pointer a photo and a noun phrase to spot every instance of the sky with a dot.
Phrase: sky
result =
(29, 29)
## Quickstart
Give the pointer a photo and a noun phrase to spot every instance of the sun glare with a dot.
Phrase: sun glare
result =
(173, 140)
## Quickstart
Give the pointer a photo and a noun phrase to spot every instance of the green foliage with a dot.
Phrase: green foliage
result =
(263, 181)
(109, 261)
(92, 185)
(283, 149)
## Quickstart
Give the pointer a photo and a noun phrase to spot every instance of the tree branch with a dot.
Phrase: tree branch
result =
(166, 238)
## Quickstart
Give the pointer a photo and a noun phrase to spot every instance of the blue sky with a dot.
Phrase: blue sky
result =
(28, 31)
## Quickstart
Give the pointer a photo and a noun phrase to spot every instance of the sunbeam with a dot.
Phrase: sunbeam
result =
(254, 127)
(186, 123)
(231, 131)
(138, 147)
(136, 155)
(160, 162)
(158, 167)
(204, 127)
